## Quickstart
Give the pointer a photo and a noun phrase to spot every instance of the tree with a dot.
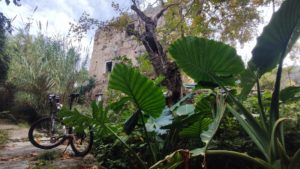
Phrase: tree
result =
(157, 54)
(4, 59)
(230, 21)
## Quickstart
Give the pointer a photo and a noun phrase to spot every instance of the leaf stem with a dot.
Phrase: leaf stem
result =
(148, 138)
(245, 156)
(260, 104)
(142, 164)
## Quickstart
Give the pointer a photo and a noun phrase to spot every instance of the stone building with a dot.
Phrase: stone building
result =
(109, 44)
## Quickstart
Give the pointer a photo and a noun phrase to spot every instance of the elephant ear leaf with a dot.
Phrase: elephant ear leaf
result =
(206, 60)
(208, 135)
(291, 93)
(143, 92)
(275, 42)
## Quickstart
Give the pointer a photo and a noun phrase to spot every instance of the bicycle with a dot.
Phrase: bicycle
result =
(50, 132)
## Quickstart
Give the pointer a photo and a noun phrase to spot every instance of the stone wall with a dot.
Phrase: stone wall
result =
(109, 44)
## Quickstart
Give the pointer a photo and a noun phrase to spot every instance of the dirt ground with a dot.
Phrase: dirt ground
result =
(19, 153)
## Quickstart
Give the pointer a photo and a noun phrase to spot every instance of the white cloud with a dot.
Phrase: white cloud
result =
(55, 16)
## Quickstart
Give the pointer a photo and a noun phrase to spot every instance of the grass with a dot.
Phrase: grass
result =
(23, 125)
(3, 137)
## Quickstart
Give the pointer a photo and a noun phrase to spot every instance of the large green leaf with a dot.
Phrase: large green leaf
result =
(208, 135)
(185, 110)
(142, 91)
(194, 130)
(291, 93)
(205, 60)
(277, 39)
(256, 133)
(275, 149)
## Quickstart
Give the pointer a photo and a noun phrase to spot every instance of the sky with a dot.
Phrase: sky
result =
(58, 14)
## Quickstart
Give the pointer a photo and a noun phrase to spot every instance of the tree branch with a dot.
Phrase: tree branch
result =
(141, 14)
(161, 12)
(201, 7)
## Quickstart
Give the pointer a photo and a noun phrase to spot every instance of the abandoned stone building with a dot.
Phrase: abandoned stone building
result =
(111, 43)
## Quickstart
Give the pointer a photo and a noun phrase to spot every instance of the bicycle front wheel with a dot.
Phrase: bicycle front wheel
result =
(82, 142)
(46, 133)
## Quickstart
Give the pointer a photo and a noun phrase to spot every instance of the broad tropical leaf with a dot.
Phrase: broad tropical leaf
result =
(274, 148)
(75, 118)
(277, 39)
(185, 110)
(291, 93)
(157, 124)
(194, 130)
(256, 133)
(248, 79)
(176, 105)
(142, 91)
(206, 60)
(208, 135)
(119, 105)
(79, 120)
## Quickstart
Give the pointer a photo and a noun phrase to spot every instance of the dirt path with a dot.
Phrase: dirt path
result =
(19, 153)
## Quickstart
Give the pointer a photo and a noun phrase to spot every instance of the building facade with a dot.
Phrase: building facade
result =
(110, 44)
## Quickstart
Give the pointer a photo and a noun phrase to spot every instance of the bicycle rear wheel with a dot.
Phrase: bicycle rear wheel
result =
(46, 133)
(82, 142)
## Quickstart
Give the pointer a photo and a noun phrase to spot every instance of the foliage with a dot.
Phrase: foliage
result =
(146, 96)
(274, 44)
(145, 66)
(207, 135)
(100, 121)
(3, 136)
(207, 65)
(41, 65)
(5, 26)
(267, 134)
(138, 88)
(290, 94)
(228, 21)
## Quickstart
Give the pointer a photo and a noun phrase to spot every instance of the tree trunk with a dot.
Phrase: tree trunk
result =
(157, 55)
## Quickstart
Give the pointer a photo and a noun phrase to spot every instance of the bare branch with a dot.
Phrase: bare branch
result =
(141, 14)
(161, 12)
(134, 3)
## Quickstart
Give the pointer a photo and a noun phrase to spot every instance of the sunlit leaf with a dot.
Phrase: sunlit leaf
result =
(142, 91)
(276, 41)
(206, 60)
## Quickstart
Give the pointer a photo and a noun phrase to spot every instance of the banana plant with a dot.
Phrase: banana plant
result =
(216, 63)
